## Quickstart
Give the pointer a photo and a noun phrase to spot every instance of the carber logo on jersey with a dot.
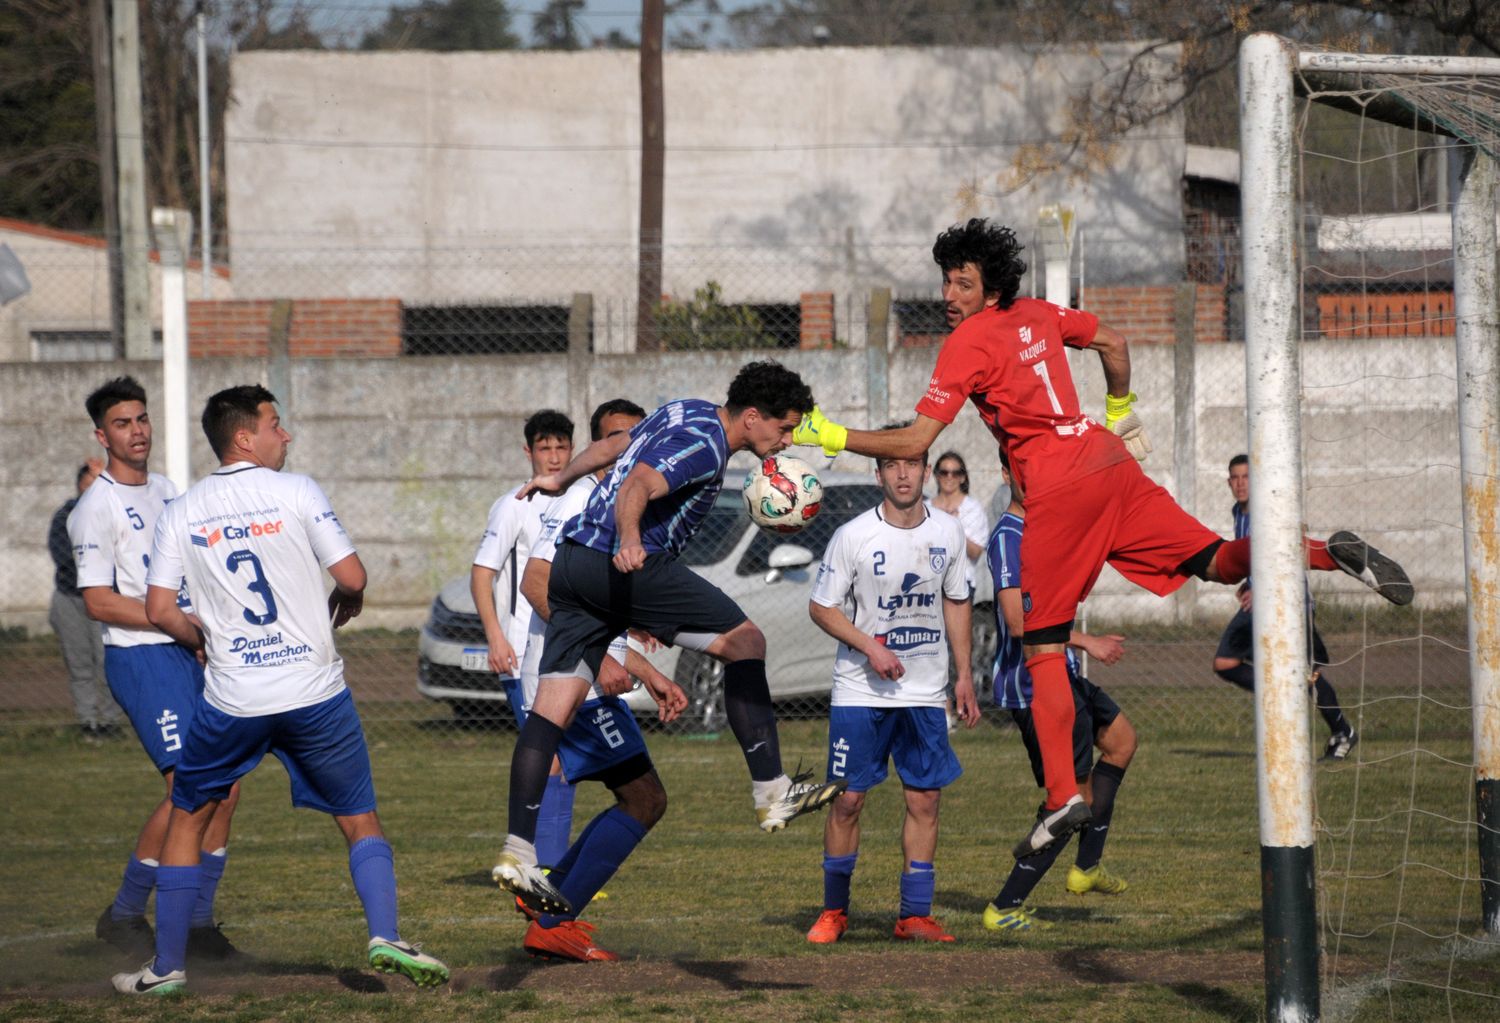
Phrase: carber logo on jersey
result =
(908, 638)
(907, 599)
(233, 532)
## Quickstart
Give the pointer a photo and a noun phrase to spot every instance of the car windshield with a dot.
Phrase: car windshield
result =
(726, 522)
(840, 504)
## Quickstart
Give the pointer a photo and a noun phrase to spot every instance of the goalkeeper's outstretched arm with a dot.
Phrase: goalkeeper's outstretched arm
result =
(1114, 357)
(910, 441)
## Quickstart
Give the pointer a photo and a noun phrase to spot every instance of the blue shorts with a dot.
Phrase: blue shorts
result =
(861, 739)
(512, 687)
(1093, 712)
(157, 686)
(604, 733)
(322, 748)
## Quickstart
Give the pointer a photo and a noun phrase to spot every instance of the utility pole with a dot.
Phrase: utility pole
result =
(130, 152)
(205, 161)
(104, 120)
(653, 163)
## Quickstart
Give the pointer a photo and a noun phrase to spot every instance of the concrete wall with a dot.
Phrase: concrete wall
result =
(513, 176)
(413, 451)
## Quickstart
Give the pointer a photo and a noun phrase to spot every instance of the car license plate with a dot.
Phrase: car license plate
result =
(475, 659)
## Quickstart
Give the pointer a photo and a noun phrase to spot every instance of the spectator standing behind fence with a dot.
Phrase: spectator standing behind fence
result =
(954, 498)
(79, 635)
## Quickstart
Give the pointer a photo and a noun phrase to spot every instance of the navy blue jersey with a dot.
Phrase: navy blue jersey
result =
(1012, 680)
(684, 441)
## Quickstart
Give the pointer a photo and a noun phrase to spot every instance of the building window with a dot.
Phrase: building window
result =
(484, 329)
(80, 345)
(920, 321)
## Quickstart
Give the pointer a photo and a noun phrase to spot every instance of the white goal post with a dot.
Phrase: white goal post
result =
(1270, 70)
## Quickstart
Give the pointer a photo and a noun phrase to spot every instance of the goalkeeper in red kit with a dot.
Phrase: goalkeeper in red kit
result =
(1087, 500)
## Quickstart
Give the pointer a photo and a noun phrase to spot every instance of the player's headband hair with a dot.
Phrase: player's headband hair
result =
(106, 397)
(232, 410)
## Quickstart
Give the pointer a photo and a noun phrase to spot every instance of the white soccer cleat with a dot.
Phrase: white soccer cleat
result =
(145, 982)
(801, 796)
(410, 961)
(528, 882)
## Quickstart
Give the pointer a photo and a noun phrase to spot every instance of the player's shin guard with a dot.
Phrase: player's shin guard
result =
(605, 844)
(747, 704)
(1052, 714)
(176, 891)
(838, 873)
(372, 865)
(918, 883)
(554, 824)
(1106, 779)
(530, 766)
(211, 865)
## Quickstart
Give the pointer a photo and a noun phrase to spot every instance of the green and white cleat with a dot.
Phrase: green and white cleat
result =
(408, 960)
(1095, 879)
(1016, 918)
(146, 982)
(528, 882)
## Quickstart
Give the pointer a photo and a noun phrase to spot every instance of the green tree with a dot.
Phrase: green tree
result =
(555, 26)
(445, 25)
(707, 323)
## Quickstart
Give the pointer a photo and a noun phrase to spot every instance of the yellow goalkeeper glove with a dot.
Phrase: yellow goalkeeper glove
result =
(1121, 420)
(817, 430)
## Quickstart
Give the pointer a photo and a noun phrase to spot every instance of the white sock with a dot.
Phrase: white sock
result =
(520, 849)
(767, 792)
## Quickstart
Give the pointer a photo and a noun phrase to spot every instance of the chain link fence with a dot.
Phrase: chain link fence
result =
(406, 373)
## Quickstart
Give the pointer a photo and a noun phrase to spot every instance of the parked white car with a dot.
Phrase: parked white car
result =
(769, 575)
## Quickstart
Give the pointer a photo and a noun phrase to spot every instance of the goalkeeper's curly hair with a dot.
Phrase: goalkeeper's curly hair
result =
(992, 248)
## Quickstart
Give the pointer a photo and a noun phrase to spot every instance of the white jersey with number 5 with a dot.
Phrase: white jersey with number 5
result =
(253, 544)
(111, 529)
(891, 583)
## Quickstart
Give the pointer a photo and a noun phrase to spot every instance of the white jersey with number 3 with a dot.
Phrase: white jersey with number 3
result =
(111, 528)
(253, 544)
(891, 583)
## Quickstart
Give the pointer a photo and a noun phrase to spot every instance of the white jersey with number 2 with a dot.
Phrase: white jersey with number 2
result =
(891, 582)
(253, 544)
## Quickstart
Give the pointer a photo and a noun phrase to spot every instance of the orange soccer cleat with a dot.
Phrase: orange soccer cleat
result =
(829, 927)
(571, 939)
(921, 928)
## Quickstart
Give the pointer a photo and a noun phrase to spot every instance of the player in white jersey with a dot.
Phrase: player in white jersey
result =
(893, 589)
(603, 742)
(495, 583)
(253, 544)
(155, 680)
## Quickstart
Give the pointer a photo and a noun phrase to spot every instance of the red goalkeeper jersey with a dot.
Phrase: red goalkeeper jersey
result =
(1011, 364)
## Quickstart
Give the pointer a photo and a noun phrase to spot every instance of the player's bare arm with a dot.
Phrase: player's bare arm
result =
(535, 578)
(161, 611)
(1105, 649)
(643, 485)
(1114, 358)
(502, 659)
(833, 621)
(1009, 602)
(957, 620)
(596, 456)
(1119, 401)
(348, 596)
(910, 442)
(105, 605)
(670, 699)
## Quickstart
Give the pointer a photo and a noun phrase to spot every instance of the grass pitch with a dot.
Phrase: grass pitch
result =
(710, 913)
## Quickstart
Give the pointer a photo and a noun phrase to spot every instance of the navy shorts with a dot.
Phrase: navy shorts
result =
(1093, 711)
(862, 739)
(1238, 642)
(157, 685)
(593, 602)
(322, 748)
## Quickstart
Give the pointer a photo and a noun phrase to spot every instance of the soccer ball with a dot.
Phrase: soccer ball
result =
(783, 494)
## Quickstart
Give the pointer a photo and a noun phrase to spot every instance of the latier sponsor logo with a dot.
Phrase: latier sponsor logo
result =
(908, 638)
(906, 598)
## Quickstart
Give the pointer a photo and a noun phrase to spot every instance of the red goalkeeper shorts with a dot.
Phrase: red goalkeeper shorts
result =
(1116, 515)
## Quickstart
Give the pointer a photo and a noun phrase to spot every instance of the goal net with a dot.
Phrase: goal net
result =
(1369, 220)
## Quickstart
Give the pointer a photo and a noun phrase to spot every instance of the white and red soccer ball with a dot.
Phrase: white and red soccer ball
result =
(783, 494)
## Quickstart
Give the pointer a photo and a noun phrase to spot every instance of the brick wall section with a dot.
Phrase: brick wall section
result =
(320, 328)
(817, 319)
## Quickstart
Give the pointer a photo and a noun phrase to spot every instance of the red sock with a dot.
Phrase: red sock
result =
(1318, 557)
(1232, 560)
(1052, 714)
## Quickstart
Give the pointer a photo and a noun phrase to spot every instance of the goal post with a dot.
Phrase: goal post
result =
(1459, 97)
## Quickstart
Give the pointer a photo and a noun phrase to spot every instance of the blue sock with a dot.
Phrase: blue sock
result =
(1025, 875)
(373, 867)
(135, 889)
(212, 867)
(176, 891)
(554, 824)
(917, 884)
(603, 846)
(560, 870)
(838, 871)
